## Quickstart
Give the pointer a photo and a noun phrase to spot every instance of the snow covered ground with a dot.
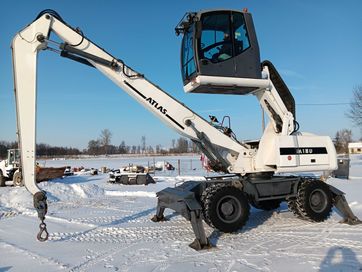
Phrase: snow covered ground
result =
(97, 226)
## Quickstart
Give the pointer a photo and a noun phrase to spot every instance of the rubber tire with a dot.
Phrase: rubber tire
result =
(293, 207)
(18, 179)
(205, 201)
(217, 196)
(317, 189)
(267, 205)
(2, 179)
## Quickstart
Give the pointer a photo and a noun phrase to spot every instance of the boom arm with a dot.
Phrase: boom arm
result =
(35, 37)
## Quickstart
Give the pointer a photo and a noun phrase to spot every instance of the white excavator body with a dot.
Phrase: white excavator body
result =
(206, 68)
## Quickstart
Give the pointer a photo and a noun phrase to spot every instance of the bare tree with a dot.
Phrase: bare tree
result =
(143, 144)
(355, 111)
(158, 149)
(193, 147)
(93, 147)
(105, 139)
(122, 149)
(182, 145)
(343, 137)
(150, 150)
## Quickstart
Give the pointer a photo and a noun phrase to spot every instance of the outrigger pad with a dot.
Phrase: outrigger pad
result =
(349, 221)
(182, 200)
(198, 246)
(156, 218)
(343, 208)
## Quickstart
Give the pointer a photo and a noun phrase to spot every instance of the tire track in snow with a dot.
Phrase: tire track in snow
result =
(299, 234)
(8, 214)
(124, 217)
(288, 235)
(26, 252)
(128, 234)
(171, 234)
(122, 229)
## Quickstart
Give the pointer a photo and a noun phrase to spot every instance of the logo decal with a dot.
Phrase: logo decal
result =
(155, 104)
(302, 150)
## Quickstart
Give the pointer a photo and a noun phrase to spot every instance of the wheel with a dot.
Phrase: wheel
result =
(267, 205)
(293, 207)
(18, 179)
(314, 200)
(205, 200)
(226, 207)
(2, 179)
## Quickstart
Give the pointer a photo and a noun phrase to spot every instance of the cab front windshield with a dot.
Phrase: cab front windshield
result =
(223, 36)
(14, 156)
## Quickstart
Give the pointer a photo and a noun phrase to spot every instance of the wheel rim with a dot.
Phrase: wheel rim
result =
(318, 200)
(228, 209)
(17, 180)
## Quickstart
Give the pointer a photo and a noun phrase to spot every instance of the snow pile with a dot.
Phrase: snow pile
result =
(58, 191)
(126, 193)
(16, 199)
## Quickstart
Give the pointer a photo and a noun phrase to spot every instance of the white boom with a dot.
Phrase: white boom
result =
(33, 38)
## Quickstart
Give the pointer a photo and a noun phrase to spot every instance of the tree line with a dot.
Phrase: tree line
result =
(4, 146)
(103, 146)
(41, 150)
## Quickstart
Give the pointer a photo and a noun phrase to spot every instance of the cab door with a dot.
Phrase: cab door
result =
(215, 44)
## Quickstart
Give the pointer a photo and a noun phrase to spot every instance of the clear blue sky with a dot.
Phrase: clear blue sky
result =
(315, 45)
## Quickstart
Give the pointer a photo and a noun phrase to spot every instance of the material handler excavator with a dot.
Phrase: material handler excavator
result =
(219, 55)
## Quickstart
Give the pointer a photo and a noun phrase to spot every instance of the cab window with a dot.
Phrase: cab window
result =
(240, 34)
(188, 61)
(215, 41)
(223, 36)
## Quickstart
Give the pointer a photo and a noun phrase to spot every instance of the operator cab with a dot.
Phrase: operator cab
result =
(217, 47)
(13, 157)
